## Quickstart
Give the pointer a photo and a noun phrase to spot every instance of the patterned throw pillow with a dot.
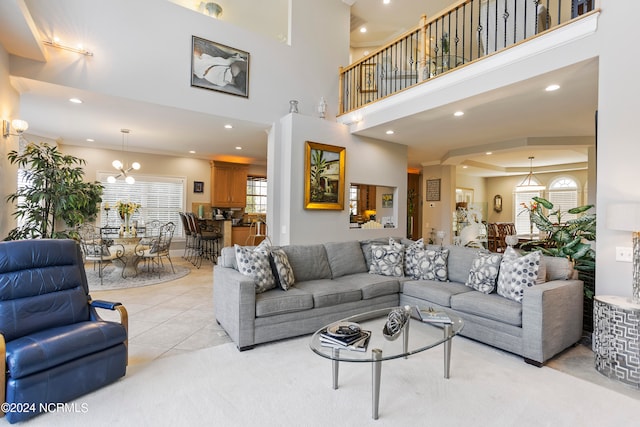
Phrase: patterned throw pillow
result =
(387, 260)
(484, 272)
(283, 268)
(433, 266)
(517, 273)
(254, 263)
(413, 255)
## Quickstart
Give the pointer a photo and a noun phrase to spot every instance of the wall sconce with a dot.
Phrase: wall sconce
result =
(210, 8)
(19, 126)
(56, 43)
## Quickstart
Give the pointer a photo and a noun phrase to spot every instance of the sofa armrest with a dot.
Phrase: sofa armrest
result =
(234, 300)
(551, 318)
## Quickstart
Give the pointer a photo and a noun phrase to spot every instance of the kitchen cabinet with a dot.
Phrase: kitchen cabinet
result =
(240, 234)
(368, 197)
(228, 185)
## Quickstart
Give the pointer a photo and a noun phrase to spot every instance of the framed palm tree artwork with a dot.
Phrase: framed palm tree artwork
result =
(324, 176)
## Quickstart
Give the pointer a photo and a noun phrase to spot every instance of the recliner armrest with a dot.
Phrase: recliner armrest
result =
(122, 311)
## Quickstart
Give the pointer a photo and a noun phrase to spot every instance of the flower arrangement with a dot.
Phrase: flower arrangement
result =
(126, 208)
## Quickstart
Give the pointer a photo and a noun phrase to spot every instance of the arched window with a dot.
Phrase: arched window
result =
(563, 193)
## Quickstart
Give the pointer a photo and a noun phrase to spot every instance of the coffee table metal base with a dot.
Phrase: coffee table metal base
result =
(376, 366)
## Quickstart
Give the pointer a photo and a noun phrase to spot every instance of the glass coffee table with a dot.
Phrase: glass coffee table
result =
(380, 348)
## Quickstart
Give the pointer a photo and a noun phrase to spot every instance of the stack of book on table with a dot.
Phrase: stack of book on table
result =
(429, 315)
(345, 335)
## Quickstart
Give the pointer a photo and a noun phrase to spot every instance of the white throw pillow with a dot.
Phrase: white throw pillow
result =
(254, 263)
(413, 255)
(387, 260)
(517, 273)
(484, 272)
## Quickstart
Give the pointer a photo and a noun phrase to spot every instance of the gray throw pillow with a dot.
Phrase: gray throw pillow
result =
(254, 263)
(345, 258)
(484, 272)
(283, 269)
(433, 266)
(517, 273)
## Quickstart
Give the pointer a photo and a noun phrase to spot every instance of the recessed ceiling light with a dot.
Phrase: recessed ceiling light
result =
(458, 113)
(551, 88)
(238, 148)
(363, 29)
(228, 126)
(192, 152)
(389, 132)
(90, 140)
(464, 166)
(75, 100)
(386, 1)
(488, 153)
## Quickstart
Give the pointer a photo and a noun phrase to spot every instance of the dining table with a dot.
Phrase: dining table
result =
(131, 257)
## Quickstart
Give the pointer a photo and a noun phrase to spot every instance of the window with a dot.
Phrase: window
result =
(256, 195)
(563, 193)
(521, 220)
(353, 200)
(160, 198)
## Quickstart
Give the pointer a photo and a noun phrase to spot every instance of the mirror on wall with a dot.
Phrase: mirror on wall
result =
(372, 206)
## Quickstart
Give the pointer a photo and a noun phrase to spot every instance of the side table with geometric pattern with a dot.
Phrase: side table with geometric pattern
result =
(616, 338)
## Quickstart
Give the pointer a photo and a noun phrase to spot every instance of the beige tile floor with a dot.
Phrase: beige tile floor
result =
(169, 318)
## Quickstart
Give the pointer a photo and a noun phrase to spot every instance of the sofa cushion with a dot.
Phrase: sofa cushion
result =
(282, 269)
(484, 272)
(345, 258)
(254, 263)
(459, 262)
(517, 273)
(433, 266)
(277, 301)
(558, 268)
(371, 285)
(432, 291)
(327, 292)
(227, 258)
(490, 306)
(387, 260)
(309, 262)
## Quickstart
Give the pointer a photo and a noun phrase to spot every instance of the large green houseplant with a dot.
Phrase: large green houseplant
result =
(54, 193)
(569, 239)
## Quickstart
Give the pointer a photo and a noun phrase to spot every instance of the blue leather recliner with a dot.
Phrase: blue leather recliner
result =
(55, 346)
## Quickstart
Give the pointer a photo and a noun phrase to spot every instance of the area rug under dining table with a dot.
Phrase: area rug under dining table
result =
(112, 277)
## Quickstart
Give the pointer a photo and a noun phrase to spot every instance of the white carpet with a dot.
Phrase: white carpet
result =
(285, 384)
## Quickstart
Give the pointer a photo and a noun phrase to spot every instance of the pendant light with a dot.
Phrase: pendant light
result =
(120, 166)
(530, 183)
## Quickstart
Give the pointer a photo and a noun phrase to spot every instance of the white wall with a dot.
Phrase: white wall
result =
(9, 109)
(367, 160)
(143, 52)
(618, 130)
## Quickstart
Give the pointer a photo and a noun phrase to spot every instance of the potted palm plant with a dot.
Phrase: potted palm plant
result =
(54, 194)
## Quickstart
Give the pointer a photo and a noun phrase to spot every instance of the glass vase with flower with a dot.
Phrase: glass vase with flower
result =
(125, 210)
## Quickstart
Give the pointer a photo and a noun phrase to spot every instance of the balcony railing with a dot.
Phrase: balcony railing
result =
(466, 32)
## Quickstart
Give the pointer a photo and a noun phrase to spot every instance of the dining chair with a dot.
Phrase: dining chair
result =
(96, 249)
(157, 248)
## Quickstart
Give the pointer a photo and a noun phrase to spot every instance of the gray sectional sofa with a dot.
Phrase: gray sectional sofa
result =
(332, 281)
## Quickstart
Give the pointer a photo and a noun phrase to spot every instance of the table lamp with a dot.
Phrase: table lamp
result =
(626, 217)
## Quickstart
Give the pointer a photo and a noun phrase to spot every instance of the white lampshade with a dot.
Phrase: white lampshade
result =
(130, 180)
(624, 216)
(135, 165)
(117, 164)
(19, 125)
(111, 179)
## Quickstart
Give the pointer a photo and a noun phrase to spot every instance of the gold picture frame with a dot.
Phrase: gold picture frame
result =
(368, 78)
(324, 176)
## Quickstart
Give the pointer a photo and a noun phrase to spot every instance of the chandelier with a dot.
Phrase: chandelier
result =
(530, 183)
(121, 167)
